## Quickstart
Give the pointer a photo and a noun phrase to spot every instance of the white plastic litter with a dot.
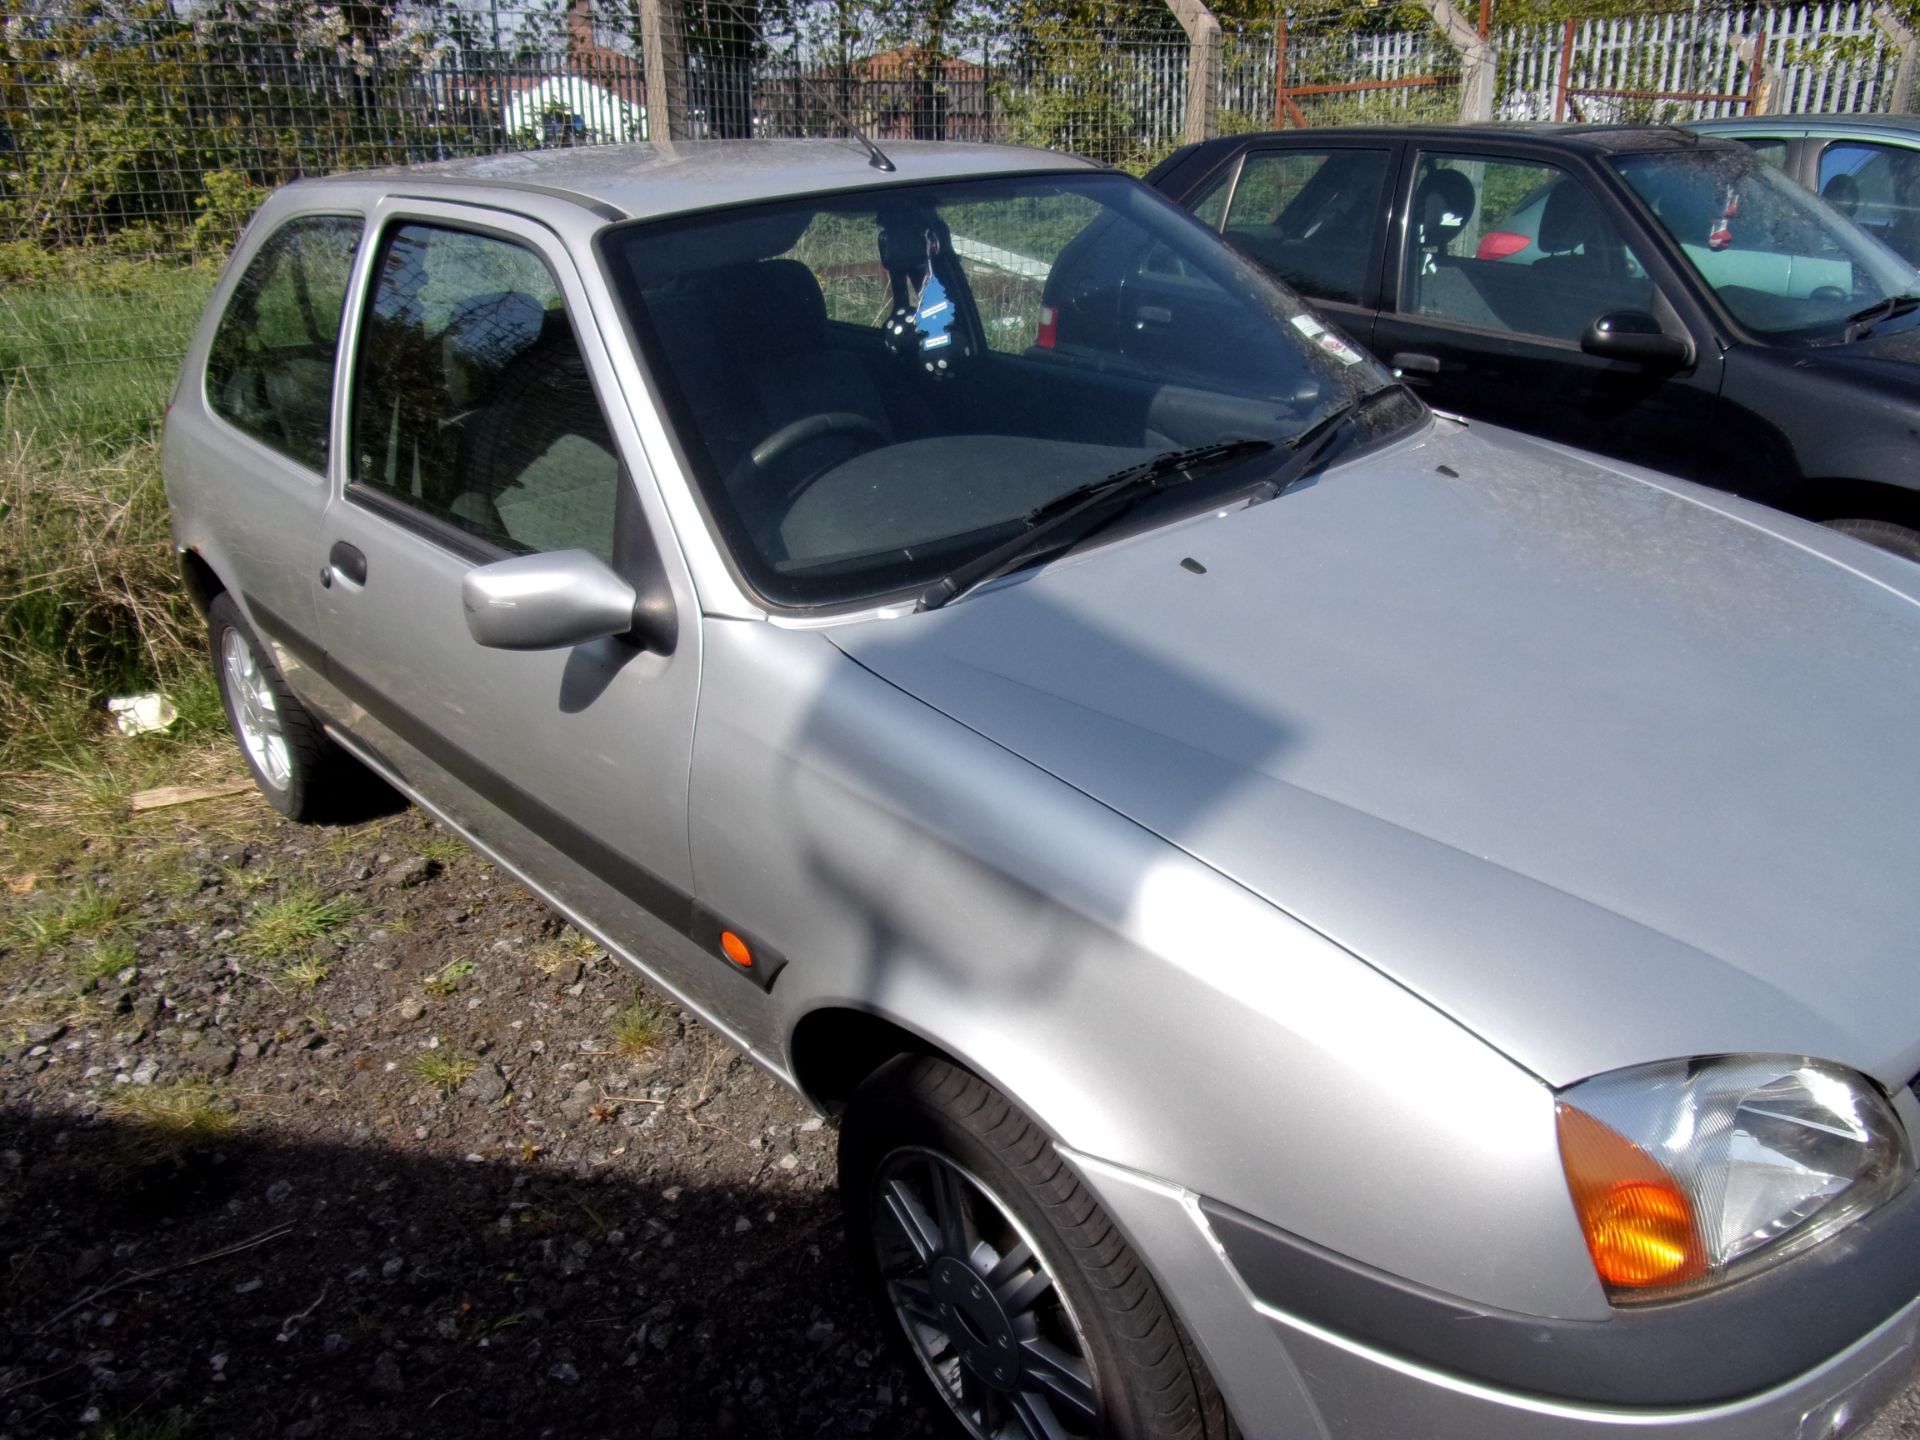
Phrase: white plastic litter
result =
(142, 714)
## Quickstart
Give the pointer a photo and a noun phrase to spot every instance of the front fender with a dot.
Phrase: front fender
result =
(1143, 1008)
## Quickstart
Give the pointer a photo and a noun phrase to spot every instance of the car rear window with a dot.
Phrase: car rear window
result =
(270, 369)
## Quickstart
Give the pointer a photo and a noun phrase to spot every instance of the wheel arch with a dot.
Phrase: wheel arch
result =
(1839, 498)
(201, 582)
(834, 1048)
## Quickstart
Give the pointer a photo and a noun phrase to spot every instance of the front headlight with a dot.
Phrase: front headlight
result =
(1690, 1173)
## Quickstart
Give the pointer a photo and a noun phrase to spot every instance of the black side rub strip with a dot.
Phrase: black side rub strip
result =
(657, 896)
(1723, 1345)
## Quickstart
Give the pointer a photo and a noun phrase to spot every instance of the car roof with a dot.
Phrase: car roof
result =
(638, 180)
(1907, 127)
(1586, 139)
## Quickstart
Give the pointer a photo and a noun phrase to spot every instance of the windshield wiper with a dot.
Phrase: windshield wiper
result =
(1049, 522)
(1048, 525)
(1861, 322)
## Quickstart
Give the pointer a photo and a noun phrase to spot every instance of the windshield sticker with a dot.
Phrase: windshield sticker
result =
(1327, 340)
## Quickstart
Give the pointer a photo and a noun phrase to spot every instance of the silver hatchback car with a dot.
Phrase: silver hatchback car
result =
(1317, 920)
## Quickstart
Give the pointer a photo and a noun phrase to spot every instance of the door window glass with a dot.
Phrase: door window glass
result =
(1517, 247)
(270, 370)
(472, 402)
(1308, 217)
(1770, 148)
(1878, 188)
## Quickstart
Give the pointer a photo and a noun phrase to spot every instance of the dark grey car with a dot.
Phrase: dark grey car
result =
(1308, 911)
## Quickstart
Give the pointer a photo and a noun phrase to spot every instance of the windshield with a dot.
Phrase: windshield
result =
(1782, 260)
(873, 387)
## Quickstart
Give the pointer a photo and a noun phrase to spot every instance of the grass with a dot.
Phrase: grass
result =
(108, 958)
(90, 601)
(553, 955)
(446, 1073)
(294, 920)
(186, 1110)
(89, 915)
(447, 978)
(637, 1031)
(91, 345)
(443, 849)
(306, 973)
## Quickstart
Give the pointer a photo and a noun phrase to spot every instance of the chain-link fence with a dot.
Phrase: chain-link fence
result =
(137, 135)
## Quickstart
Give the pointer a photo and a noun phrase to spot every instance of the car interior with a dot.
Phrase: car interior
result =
(1575, 268)
(1309, 242)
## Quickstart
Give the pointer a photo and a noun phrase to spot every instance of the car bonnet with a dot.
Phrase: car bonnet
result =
(1609, 769)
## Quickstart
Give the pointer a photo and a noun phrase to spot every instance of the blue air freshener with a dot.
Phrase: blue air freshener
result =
(934, 318)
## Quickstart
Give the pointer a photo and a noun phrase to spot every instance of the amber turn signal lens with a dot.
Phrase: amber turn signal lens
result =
(1637, 1220)
(735, 949)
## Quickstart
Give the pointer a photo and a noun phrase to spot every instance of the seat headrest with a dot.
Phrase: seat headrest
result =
(1442, 206)
(1843, 193)
(1569, 219)
(775, 305)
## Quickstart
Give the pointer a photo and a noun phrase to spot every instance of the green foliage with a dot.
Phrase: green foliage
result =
(90, 604)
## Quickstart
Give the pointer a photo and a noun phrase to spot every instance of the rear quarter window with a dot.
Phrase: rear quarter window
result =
(270, 368)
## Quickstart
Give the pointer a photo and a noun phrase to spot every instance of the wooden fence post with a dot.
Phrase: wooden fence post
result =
(663, 46)
(1478, 72)
(1203, 68)
(1904, 40)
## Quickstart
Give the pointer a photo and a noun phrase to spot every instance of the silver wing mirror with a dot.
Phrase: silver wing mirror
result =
(546, 602)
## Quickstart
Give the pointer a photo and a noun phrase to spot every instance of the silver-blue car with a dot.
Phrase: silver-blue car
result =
(1317, 919)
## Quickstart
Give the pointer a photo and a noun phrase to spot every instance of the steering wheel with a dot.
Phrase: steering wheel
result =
(1826, 292)
(812, 427)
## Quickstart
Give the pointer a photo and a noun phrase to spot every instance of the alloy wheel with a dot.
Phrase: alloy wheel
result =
(256, 716)
(979, 1306)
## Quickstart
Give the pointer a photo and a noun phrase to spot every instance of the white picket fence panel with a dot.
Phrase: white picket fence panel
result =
(1827, 56)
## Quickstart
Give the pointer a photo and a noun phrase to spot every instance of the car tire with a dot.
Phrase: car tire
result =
(1901, 540)
(1004, 1285)
(303, 774)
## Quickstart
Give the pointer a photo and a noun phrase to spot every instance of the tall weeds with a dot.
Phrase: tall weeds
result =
(90, 601)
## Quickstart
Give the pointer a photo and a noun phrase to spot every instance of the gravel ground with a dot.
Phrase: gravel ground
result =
(362, 1140)
(338, 1133)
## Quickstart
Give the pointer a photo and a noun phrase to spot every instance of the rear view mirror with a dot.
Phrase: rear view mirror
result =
(1634, 335)
(546, 602)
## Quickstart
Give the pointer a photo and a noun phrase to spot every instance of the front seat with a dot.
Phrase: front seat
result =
(786, 367)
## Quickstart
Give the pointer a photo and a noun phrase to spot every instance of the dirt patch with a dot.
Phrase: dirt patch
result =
(338, 1132)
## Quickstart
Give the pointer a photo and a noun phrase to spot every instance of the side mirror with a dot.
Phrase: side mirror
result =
(1634, 335)
(546, 602)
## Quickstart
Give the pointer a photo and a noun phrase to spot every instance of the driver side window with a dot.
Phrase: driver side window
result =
(472, 403)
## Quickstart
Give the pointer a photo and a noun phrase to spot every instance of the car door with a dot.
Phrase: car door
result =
(482, 423)
(1312, 215)
(1503, 263)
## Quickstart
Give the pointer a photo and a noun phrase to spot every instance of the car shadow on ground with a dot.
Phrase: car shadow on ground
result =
(234, 1284)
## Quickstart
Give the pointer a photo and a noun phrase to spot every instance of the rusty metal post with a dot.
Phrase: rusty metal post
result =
(1759, 76)
(1566, 74)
